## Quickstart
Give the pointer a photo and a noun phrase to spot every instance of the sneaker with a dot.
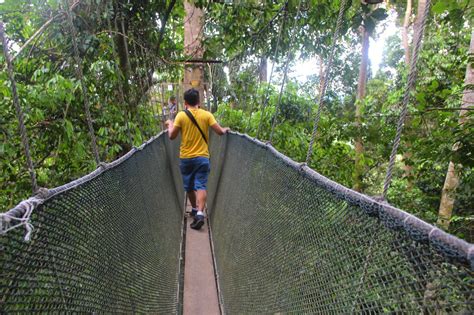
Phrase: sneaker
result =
(197, 223)
(193, 212)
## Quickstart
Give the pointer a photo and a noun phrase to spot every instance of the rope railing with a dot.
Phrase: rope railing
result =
(418, 40)
(119, 75)
(80, 77)
(285, 77)
(326, 79)
(267, 91)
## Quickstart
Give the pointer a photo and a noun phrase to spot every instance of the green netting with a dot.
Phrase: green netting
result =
(107, 243)
(287, 240)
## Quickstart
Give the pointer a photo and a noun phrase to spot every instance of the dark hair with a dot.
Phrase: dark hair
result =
(172, 98)
(191, 97)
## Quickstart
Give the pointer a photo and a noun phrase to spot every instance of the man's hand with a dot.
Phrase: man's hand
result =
(172, 130)
(219, 130)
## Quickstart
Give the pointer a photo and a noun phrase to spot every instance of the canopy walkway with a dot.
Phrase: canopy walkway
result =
(283, 238)
(286, 240)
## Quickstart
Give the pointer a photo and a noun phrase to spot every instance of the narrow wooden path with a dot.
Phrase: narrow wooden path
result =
(200, 291)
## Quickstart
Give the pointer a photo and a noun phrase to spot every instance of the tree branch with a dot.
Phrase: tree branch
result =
(163, 25)
(41, 29)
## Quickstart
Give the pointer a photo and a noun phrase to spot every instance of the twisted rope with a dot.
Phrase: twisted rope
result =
(277, 48)
(327, 78)
(118, 72)
(19, 111)
(140, 92)
(285, 76)
(20, 215)
(80, 76)
(406, 97)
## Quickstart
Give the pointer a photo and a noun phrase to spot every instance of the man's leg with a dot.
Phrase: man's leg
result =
(200, 184)
(201, 199)
(186, 169)
(193, 200)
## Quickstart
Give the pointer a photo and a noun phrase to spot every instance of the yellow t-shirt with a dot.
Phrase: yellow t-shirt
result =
(192, 143)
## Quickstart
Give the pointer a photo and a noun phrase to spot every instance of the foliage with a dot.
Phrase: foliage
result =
(119, 72)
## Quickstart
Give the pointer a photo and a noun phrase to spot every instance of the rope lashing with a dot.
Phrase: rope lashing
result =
(80, 77)
(20, 215)
(277, 48)
(406, 97)
(327, 78)
(285, 76)
(19, 111)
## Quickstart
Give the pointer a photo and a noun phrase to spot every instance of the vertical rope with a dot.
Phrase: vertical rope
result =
(141, 65)
(125, 36)
(19, 111)
(285, 76)
(406, 97)
(162, 92)
(150, 95)
(277, 48)
(275, 114)
(327, 78)
(140, 91)
(80, 77)
(119, 74)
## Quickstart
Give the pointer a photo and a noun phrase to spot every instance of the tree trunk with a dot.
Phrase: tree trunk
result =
(454, 170)
(359, 149)
(263, 69)
(406, 25)
(122, 51)
(193, 24)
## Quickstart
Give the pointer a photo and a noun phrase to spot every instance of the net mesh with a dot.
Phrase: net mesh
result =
(286, 240)
(108, 244)
(289, 241)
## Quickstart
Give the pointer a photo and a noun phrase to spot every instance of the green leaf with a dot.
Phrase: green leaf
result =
(369, 25)
(434, 85)
(379, 14)
(69, 129)
(440, 7)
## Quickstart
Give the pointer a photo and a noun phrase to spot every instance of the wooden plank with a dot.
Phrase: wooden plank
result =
(200, 292)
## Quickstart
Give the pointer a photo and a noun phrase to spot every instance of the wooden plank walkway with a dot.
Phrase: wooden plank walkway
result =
(200, 292)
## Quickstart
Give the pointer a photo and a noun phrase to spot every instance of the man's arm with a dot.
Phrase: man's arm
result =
(173, 131)
(219, 130)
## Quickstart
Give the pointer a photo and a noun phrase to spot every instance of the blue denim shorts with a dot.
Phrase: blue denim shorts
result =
(195, 172)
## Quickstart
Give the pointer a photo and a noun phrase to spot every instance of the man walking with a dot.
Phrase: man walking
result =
(194, 123)
(169, 110)
(172, 106)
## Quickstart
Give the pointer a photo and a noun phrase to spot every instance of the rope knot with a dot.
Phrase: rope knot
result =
(20, 215)
(380, 199)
